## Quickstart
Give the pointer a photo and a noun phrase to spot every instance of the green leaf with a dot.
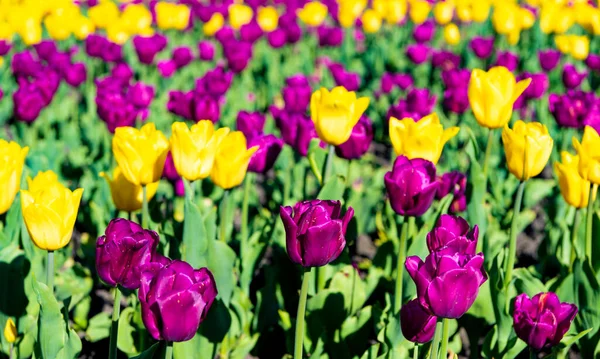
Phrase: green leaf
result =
(99, 327)
(569, 340)
(149, 353)
(536, 189)
(221, 262)
(125, 340)
(333, 189)
(525, 282)
(194, 247)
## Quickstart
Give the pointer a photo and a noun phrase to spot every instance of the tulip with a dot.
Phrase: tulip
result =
(172, 16)
(264, 158)
(571, 77)
(348, 80)
(452, 235)
(206, 50)
(393, 11)
(417, 325)
(574, 189)
(411, 186)
(137, 19)
(104, 14)
(127, 196)
(212, 26)
(23, 64)
(267, 18)
(538, 86)
(480, 10)
(543, 320)
(250, 123)
(576, 46)
(251, 32)
(371, 21)
(76, 74)
(215, 82)
(296, 93)
(12, 160)
(146, 47)
(482, 46)
(424, 32)
(44, 49)
(419, 10)
(231, 161)
(447, 284)
(451, 34)
(194, 149)
(417, 53)
(10, 331)
(549, 59)
(238, 54)
(589, 157)
(313, 13)
(445, 60)
(443, 12)
(420, 101)
(49, 211)
(570, 109)
(592, 62)
(507, 59)
(276, 38)
(166, 68)
(114, 109)
(528, 147)
(424, 138)
(288, 23)
(83, 27)
(336, 113)
(140, 153)
(456, 78)
(205, 108)
(359, 142)
(456, 100)
(182, 56)
(239, 14)
(164, 305)
(492, 95)
(123, 249)
(28, 102)
(141, 95)
(297, 130)
(456, 183)
(5, 47)
(315, 231)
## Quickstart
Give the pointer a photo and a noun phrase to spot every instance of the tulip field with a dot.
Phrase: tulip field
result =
(338, 179)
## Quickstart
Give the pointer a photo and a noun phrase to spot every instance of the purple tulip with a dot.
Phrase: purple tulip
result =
(289, 24)
(456, 183)
(592, 62)
(573, 108)
(421, 101)
(225, 34)
(269, 148)
(297, 130)
(543, 320)
(456, 78)
(206, 49)
(424, 32)
(182, 56)
(330, 36)
(47, 83)
(571, 77)
(146, 47)
(170, 171)
(238, 54)
(549, 59)
(348, 80)
(76, 74)
(166, 68)
(141, 95)
(175, 299)
(418, 53)
(251, 31)
(108, 51)
(538, 86)
(28, 102)
(277, 38)
(5, 47)
(206, 108)
(445, 60)
(387, 82)
(456, 100)
(404, 81)
(417, 325)
(44, 49)
(411, 186)
(315, 231)
(447, 284)
(400, 110)
(453, 235)
(123, 72)
(115, 111)
(122, 250)
(215, 82)
(95, 45)
(359, 142)
(1, 94)
(179, 187)
(508, 59)
(23, 64)
(180, 104)
(250, 123)
(482, 46)
(296, 93)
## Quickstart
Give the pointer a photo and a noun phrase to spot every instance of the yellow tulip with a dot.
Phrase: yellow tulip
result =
(30, 31)
(117, 32)
(10, 331)
(49, 212)
(419, 10)
(527, 18)
(58, 27)
(371, 21)
(424, 138)
(527, 147)
(506, 19)
(231, 161)
(141, 153)
(12, 160)
(213, 25)
(1, 61)
(563, 43)
(480, 10)
(42, 180)
(464, 13)
(267, 18)
(492, 95)
(574, 189)
(395, 11)
(239, 15)
(451, 34)
(443, 12)
(548, 14)
(313, 13)
(580, 47)
(172, 16)
(335, 113)
(83, 27)
(194, 149)
(104, 14)
(136, 19)
(125, 195)
(589, 155)
(6, 31)
(564, 20)
(349, 11)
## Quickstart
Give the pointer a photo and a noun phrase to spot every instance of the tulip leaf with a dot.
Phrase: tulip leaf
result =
(98, 327)
(476, 192)
(333, 189)
(194, 247)
(525, 282)
(221, 262)
(125, 340)
(150, 352)
(587, 298)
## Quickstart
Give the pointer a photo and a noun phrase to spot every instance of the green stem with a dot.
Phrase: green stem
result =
(222, 220)
(145, 212)
(400, 265)
(416, 352)
(328, 164)
(299, 339)
(321, 278)
(532, 353)
(488, 151)
(588, 228)
(574, 231)
(512, 248)
(169, 350)
(436, 340)
(445, 335)
(244, 226)
(114, 326)
(50, 271)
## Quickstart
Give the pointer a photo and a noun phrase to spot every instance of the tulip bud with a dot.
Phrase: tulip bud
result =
(127, 196)
(267, 18)
(543, 320)
(528, 147)
(297, 130)
(313, 13)
(417, 53)
(146, 47)
(172, 16)
(371, 21)
(239, 15)
(571, 77)
(206, 50)
(315, 231)
(574, 189)
(182, 56)
(264, 158)
(276, 38)
(451, 34)
(482, 47)
(12, 157)
(231, 161)
(453, 235)
(411, 186)
(417, 325)
(424, 32)
(549, 59)
(443, 12)
(10, 331)
(589, 156)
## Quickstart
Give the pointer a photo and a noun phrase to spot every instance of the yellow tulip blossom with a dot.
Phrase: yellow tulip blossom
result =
(10, 331)
(464, 13)
(83, 27)
(267, 18)
(576, 46)
(140, 153)
(42, 180)
(527, 147)
(336, 113)
(527, 18)
(172, 16)
(239, 15)
(117, 32)
(213, 25)
(418, 11)
(424, 138)
(507, 19)
(443, 12)
(136, 19)
(589, 155)
(451, 34)
(574, 189)
(313, 13)
(58, 26)
(12, 160)
(127, 196)
(49, 212)
(30, 31)
(371, 21)
(480, 10)
(492, 95)
(349, 11)
(104, 14)
(231, 161)
(194, 149)
(6, 31)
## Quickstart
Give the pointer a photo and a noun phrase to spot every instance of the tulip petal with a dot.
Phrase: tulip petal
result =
(322, 244)
(292, 243)
(180, 315)
(453, 293)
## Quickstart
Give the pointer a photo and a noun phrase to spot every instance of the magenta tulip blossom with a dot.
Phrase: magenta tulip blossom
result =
(417, 325)
(411, 186)
(453, 235)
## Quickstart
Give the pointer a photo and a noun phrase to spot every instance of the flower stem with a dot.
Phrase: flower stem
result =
(244, 226)
(328, 164)
(299, 339)
(488, 151)
(145, 212)
(588, 227)
(512, 248)
(400, 265)
(416, 352)
(169, 350)
(114, 327)
(574, 231)
(532, 353)
(50, 271)
(445, 335)
(436, 339)
(222, 220)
